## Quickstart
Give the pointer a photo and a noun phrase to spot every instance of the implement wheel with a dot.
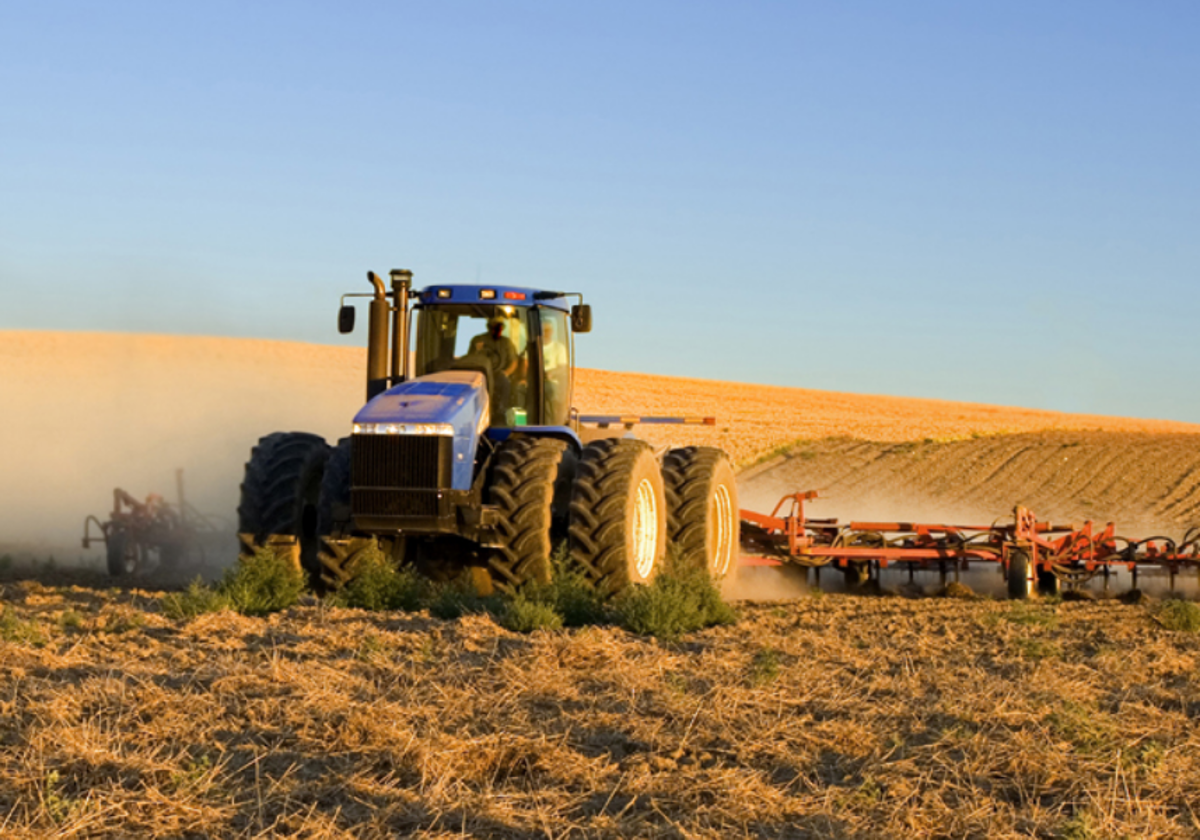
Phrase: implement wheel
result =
(618, 514)
(524, 473)
(1020, 582)
(702, 508)
(281, 489)
(1048, 582)
(856, 575)
(121, 552)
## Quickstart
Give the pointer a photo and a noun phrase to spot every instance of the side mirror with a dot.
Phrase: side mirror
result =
(581, 318)
(346, 320)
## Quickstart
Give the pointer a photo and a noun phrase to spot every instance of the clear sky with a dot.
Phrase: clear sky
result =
(992, 201)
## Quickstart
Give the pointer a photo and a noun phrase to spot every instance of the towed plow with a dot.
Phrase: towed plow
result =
(1034, 555)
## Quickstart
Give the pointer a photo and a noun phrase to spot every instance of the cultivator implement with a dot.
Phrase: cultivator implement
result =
(1032, 554)
(141, 533)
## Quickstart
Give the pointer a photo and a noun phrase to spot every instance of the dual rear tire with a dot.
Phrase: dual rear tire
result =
(702, 501)
(626, 510)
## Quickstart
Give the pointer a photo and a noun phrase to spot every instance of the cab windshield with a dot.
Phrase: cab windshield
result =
(522, 351)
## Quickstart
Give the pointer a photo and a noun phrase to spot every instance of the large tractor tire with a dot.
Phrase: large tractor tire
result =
(618, 514)
(702, 508)
(281, 490)
(525, 472)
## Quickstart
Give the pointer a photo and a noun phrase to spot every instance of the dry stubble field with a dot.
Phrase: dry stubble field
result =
(838, 716)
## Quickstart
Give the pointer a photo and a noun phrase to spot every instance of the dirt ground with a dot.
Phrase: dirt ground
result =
(832, 717)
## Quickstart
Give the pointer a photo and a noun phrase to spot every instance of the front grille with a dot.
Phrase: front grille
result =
(401, 461)
(379, 502)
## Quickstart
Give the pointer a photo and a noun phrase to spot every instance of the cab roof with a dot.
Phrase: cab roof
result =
(507, 295)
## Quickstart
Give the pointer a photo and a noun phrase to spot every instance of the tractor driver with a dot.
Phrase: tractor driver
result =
(503, 355)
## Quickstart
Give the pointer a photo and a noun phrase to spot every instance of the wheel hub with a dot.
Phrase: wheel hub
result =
(645, 528)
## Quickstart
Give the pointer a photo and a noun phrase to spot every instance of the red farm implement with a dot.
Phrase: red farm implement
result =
(141, 534)
(1031, 553)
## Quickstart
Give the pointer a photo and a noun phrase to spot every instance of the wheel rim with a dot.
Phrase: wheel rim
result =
(723, 554)
(645, 528)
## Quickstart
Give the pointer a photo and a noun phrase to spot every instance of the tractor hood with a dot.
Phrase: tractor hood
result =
(452, 403)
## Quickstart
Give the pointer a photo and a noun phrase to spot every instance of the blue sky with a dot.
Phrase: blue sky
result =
(986, 201)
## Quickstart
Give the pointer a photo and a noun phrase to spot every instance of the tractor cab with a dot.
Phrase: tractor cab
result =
(519, 339)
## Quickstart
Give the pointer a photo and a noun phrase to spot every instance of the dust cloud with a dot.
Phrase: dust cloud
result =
(88, 412)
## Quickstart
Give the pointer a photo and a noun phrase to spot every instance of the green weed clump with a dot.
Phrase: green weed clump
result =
(765, 666)
(570, 593)
(70, 620)
(1177, 614)
(197, 599)
(523, 614)
(680, 599)
(266, 583)
(13, 628)
(379, 585)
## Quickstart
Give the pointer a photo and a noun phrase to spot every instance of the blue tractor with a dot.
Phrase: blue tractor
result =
(468, 456)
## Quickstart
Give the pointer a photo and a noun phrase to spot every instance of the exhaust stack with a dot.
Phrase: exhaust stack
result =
(401, 284)
(377, 339)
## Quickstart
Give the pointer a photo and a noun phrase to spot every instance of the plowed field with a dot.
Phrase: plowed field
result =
(1147, 483)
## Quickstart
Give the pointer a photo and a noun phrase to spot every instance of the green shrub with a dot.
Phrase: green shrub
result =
(523, 614)
(197, 599)
(680, 599)
(1177, 614)
(379, 585)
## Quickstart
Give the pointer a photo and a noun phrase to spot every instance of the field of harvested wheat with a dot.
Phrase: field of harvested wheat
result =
(833, 717)
(756, 419)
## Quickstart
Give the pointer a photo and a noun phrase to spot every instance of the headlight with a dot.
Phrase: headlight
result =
(444, 429)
